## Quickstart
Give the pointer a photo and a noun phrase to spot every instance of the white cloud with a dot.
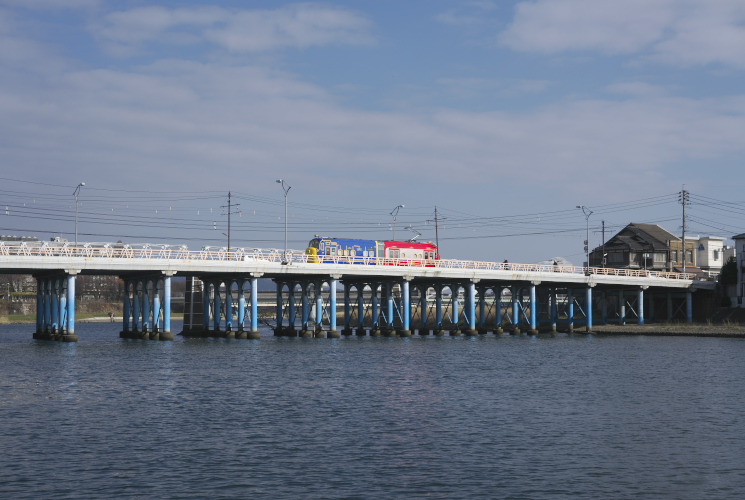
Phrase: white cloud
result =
(467, 13)
(678, 32)
(298, 25)
(188, 117)
(638, 89)
(469, 88)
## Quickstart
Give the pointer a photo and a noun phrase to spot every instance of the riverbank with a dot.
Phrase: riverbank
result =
(29, 319)
(734, 330)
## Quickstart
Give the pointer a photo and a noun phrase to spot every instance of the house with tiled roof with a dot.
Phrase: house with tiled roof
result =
(645, 246)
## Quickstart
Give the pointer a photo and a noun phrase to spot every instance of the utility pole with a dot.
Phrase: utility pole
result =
(587, 213)
(603, 261)
(684, 200)
(394, 213)
(437, 220)
(75, 194)
(286, 188)
(230, 206)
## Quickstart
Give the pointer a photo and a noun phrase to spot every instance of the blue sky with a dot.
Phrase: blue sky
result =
(505, 115)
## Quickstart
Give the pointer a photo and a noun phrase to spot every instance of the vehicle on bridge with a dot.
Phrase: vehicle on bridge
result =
(371, 252)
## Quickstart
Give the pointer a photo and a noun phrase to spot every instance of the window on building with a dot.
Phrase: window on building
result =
(615, 257)
(716, 254)
(689, 256)
(660, 257)
(674, 256)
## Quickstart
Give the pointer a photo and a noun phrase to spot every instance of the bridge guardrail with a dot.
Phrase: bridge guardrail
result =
(181, 252)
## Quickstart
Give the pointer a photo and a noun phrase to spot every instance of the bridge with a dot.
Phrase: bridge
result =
(390, 297)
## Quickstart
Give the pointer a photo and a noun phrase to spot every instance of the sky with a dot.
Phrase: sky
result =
(505, 115)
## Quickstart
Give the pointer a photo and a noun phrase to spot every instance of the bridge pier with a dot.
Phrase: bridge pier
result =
(145, 316)
(228, 318)
(55, 307)
(307, 296)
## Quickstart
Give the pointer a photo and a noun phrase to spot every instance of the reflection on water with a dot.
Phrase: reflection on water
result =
(511, 417)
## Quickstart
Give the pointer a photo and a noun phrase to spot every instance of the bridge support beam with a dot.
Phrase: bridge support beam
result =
(515, 309)
(166, 334)
(455, 309)
(689, 306)
(570, 311)
(640, 302)
(333, 333)
(405, 310)
(554, 309)
(533, 311)
(305, 330)
(361, 310)
(423, 328)
(438, 331)
(318, 331)
(347, 311)
(471, 309)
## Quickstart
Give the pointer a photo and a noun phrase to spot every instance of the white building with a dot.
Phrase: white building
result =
(712, 254)
(740, 255)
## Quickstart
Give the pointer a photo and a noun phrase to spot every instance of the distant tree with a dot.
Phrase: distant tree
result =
(728, 274)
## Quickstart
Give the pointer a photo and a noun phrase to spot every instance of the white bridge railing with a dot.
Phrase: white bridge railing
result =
(256, 255)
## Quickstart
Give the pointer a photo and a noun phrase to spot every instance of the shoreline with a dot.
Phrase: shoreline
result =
(731, 330)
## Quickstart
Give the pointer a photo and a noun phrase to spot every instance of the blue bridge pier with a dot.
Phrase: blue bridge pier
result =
(147, 307)
(222, 306)
(55, 306)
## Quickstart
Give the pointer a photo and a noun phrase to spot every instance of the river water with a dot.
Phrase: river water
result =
(562, 417)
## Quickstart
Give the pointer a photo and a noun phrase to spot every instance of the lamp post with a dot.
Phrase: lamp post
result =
(394, 213)
(587, 213)
(76, 193)
(286, 188)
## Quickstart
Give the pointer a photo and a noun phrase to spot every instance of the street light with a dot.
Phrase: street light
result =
(286, 188)
(76, 193)
(587, 213)
(394, 213)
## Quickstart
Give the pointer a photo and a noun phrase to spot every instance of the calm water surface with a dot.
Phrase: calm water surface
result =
(575, 417)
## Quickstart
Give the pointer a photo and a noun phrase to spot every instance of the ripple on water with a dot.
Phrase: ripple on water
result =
(548, 417)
